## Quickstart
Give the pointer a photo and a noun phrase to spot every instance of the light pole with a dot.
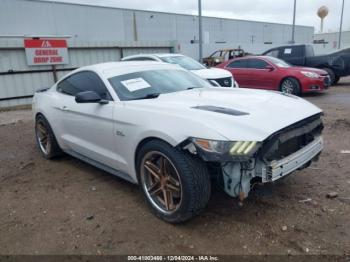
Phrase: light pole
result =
(341, 24)
(200, 30)
(293, 27)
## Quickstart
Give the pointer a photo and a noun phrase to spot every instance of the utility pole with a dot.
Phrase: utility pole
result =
(293, 27)
(341, 24)
(200, 30)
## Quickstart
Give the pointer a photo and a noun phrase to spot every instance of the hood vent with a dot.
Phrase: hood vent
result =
(221, 110)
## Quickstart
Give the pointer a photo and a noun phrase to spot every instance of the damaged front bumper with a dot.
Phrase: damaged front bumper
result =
(283, 167)
(292, 148)
(238, 176)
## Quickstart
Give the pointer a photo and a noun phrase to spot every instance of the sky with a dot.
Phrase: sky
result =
(277, 11)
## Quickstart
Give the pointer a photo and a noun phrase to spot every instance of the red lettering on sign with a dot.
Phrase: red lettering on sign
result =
(40, 52)
(56, 59)
(40, 60)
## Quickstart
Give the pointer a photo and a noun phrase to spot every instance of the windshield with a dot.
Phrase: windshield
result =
(278, 62)
(216, 54)
(183, 61)
(141, 84)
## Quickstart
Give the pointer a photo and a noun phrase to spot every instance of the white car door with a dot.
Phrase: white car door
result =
(87, 127)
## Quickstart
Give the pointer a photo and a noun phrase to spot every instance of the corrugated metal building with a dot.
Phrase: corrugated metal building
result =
(331, 41)
(100, 24)
(101, 34)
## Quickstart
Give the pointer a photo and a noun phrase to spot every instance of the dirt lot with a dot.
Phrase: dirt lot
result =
(69, 207)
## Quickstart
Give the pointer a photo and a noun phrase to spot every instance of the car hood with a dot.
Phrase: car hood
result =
(263, 112)
(309, 69)
(212, 73)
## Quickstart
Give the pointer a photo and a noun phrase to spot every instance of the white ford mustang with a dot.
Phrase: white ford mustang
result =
(171, 132)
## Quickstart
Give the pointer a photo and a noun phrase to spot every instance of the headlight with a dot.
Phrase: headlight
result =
(310, 74)
(236, 148)
(217, 60)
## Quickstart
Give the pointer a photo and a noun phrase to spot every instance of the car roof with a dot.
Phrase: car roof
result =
(229, 49)
(153, 55)
(285, 46)
(123, 67)
(249, 56)
(121, 64)
(168, 54)
(263, 57)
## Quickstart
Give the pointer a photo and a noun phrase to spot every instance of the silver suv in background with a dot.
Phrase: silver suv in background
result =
(218, 77)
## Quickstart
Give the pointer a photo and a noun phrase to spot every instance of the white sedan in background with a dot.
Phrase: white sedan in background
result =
(217, 76)
(164, 128)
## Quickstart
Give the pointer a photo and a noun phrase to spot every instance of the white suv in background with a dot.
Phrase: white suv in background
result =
(216, 76)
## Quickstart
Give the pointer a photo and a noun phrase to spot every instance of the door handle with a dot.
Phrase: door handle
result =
(64, 108)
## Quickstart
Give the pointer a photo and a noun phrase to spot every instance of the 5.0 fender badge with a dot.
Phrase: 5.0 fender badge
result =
(120, 133)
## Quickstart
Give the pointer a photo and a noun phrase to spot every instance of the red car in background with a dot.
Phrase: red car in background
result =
(265, 72)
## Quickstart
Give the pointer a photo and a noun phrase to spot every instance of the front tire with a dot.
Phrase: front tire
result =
(336, 80)
(176, 185)
(45, 138)
(290, 86)
(331, 74)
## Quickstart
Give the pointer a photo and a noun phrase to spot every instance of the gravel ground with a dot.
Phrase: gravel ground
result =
(66, 206)
(12, 117)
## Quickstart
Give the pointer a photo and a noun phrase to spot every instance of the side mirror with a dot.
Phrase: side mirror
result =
(269, 67)
(89, 97)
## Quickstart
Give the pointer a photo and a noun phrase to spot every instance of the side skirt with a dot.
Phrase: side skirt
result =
(101, 166)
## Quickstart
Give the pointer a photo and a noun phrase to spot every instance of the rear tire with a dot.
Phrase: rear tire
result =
(336, 80)
(331, 74)
(290, 86)
(176, 185)
(45, 138)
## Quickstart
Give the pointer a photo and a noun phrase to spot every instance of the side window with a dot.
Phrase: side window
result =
(216, 53)
(298, 51)
(238, 64)
(309, 51)
(273, 53)
(256, 64)
(287, 51)
(226, 55)
(231, 55)
(83, 81)
(293, 51)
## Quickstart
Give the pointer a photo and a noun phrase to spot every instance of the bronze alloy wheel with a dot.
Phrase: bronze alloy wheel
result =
(43, 137)
(161, 182)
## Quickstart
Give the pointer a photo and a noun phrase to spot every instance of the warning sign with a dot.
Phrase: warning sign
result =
(46, 51)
